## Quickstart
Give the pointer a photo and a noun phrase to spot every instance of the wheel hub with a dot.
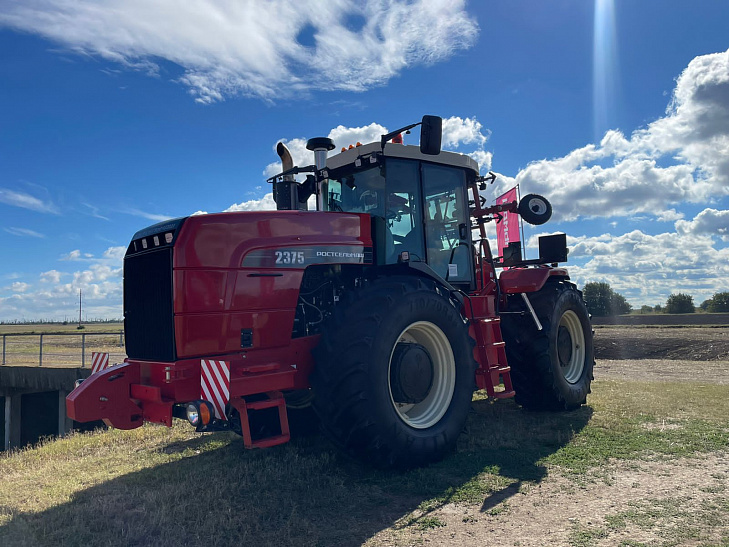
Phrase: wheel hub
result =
(564, 346)
(411, 373)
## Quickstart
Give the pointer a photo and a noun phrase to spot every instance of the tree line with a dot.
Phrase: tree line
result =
(603, 301)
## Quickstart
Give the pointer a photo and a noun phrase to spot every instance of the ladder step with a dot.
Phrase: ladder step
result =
(268, 403)
(271, 441)
(504, 394)
(491, 320)
(499, 368)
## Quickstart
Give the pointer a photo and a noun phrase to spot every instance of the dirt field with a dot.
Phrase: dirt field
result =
(681, 343)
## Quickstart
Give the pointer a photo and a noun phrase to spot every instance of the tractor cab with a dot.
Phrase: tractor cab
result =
(418, 204)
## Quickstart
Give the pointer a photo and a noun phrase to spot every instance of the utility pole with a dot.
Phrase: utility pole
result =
(79, 308)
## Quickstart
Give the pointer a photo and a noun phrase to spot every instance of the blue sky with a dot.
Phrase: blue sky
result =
(115, 115)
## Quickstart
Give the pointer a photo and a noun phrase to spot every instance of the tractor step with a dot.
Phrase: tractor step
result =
(492, 353)
(274, 399)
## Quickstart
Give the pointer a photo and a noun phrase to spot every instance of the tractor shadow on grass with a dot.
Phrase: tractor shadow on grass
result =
(212, 492)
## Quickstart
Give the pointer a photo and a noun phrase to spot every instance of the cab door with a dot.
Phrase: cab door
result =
(447, 226)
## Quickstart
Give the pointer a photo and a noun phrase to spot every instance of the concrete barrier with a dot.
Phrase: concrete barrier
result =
(33, 403)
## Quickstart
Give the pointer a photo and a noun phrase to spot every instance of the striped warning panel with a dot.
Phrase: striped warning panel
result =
(215, 385)
(99, 361)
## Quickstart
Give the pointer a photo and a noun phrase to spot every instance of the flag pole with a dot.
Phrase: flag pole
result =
(521, 226)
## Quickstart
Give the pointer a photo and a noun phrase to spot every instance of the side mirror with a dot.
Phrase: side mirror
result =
(431, 133)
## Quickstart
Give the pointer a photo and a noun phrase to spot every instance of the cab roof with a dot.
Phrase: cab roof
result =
(402, 151)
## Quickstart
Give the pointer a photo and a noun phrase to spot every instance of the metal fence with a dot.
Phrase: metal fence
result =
(61, 349)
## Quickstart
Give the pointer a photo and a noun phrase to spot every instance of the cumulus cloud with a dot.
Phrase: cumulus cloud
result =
(342, 137)
(260, 49)
(708, 222)
(51, 276)
(681, 157)
(457, 131)
(266, 203)
(73, 255)
(647, 268)
(100, 281)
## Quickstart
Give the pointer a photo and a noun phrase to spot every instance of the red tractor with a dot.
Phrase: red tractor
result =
(380, 310)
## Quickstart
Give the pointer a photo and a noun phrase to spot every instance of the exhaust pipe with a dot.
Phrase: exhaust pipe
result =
(285, 193)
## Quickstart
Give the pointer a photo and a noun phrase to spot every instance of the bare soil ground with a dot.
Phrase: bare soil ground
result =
(656, 503)
(681, 343)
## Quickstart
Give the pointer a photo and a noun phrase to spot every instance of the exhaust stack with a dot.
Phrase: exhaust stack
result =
(285, 193)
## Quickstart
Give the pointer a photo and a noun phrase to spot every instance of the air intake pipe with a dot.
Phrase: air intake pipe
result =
(321, 147)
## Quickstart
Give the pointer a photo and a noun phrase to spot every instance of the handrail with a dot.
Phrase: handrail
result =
(42, 335)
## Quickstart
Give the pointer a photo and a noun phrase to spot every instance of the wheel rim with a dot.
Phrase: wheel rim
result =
(571, 347)
(431, 409)
(537, 206)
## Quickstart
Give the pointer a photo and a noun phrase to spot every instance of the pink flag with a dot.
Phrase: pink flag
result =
(508, 229)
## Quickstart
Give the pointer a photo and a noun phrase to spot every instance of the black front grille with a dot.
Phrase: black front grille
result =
(148, 312)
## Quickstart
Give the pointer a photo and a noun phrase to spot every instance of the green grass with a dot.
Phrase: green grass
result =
(173, 487)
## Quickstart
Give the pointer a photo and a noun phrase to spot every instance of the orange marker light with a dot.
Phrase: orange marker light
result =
(205, 414)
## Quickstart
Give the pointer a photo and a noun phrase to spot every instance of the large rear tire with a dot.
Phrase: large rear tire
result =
(551, 369)
(394, 374)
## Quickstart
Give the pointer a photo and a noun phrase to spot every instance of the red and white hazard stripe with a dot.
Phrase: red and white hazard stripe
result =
(215, 385)
(99, 361)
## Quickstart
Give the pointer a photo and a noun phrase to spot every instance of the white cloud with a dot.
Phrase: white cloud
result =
(51, 276)
(669, 216)
(266, 203)
(256, 48)
(73, 255)
(115, 253)
(23, 232)
(457, 131)
(483, 159)
(647, 268)
(682, 157)
(143, 214)
(26, 201)
(100, 283)
(94, 211)
(708, 222)
(342, 137)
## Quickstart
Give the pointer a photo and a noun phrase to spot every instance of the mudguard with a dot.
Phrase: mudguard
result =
(519, 280)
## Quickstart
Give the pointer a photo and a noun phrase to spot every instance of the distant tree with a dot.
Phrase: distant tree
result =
(657, 308)
(603, 301)
(619, 305)
(719, 303)
(680, 303)
(706, 304)
(646, 309)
